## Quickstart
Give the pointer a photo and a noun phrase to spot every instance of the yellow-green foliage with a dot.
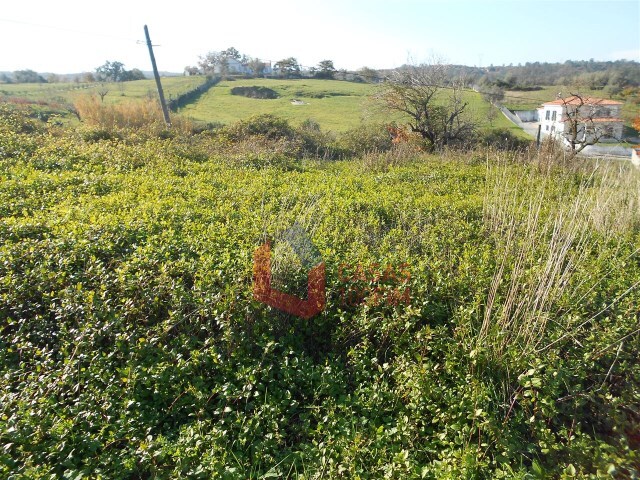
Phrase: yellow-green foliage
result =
(131, 345)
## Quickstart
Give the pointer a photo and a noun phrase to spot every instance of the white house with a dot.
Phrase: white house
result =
(635, 156)
(597, 117)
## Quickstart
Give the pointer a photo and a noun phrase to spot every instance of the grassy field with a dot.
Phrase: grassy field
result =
(335, 105)
(65, 93)
(132, 346)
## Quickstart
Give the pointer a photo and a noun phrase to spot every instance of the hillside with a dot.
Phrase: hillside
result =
(335, 105)
(481, 316)
(56, 100)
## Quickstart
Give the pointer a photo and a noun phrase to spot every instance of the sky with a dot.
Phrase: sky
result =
(68, 36)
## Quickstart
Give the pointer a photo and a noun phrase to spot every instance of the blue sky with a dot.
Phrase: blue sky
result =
(73, 36)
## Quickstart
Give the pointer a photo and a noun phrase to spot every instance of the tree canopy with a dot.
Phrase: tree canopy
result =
(325, 69)
(288, 67)
(115, 72)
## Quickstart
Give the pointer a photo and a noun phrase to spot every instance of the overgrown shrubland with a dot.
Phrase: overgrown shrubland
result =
(131, 346)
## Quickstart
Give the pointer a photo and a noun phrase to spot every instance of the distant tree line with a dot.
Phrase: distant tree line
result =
(612, 77)
(115, 72)
(108, 72)
(232, 62)
(22, 76)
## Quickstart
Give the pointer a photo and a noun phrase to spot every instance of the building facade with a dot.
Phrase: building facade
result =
(595, 118)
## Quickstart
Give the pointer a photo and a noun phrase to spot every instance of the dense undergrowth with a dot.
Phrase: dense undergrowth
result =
(131, 346)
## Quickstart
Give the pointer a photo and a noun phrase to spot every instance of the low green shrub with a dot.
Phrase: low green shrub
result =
(503, 139)
(365, 139)
(131, 345)
(268, 126)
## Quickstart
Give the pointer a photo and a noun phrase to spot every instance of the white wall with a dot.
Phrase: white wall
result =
(555, 127)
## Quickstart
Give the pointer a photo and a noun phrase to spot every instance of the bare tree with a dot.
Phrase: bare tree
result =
(579, 116)
(492, 113)
(102, 91)
(214, 62)
(433, 104)
(256, 66)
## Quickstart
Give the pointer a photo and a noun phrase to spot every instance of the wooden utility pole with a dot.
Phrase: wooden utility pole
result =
(165, 110)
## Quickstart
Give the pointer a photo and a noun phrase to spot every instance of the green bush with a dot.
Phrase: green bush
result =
(268, 126)
(364, 139)
(503, 139)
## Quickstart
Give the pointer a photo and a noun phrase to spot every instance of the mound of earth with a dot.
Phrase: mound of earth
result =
(255, 92)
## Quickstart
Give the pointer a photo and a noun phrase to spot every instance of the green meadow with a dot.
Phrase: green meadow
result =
(335, 105)
(117, 92)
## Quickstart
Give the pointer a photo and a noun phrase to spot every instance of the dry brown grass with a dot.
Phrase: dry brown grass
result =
(545, 225)
(144, 114)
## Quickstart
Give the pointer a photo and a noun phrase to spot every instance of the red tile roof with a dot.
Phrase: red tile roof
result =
(585, 100)
(605, 119)
(595, 119)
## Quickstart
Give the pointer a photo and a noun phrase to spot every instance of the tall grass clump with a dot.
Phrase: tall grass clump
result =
(133, 115)
(123, 115)
(546, 227)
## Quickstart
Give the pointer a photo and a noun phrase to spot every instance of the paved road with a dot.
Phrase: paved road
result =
(529, 127)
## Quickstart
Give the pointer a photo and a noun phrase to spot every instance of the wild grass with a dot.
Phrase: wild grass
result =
(131, 115)
(546, 227)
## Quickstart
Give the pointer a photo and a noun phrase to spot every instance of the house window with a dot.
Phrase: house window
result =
(553, 117)
(547, 115)
(546, 126)
(553, 129)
